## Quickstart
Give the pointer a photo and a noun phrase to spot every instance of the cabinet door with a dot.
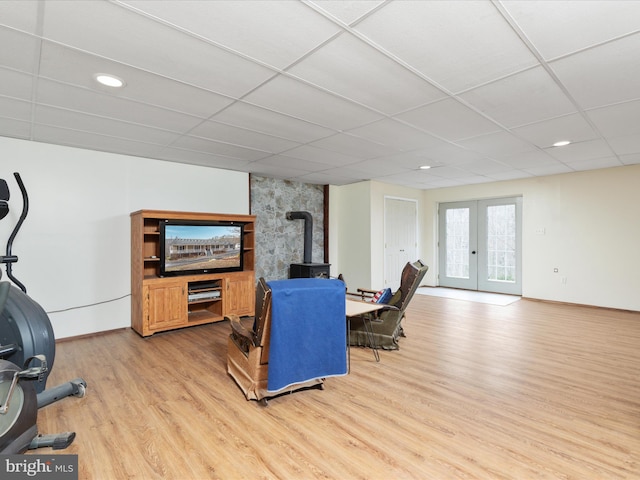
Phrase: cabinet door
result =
(167, 305)
(240, 295)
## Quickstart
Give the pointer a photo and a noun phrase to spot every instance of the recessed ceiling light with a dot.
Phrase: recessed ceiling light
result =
(109, 80)
(562, 143)
(425, 167)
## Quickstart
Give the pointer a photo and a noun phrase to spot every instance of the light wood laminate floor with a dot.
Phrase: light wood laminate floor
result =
(531, 390)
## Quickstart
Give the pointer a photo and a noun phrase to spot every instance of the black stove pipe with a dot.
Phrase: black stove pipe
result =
(308, 231)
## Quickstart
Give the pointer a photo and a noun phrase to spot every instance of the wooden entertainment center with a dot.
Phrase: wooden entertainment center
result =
(166, 303)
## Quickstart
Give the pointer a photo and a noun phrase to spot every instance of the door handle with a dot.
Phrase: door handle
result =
(473, 252)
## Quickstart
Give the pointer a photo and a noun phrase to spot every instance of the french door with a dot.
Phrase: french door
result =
(480, 245)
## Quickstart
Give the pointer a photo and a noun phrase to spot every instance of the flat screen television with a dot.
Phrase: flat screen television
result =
(198, 247)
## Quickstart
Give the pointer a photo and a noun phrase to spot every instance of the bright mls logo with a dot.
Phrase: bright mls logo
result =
(39, 467)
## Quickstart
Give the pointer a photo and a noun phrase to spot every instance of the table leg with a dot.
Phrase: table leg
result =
(366, 320)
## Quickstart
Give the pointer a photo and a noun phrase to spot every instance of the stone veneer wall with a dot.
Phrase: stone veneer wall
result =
(278, 241)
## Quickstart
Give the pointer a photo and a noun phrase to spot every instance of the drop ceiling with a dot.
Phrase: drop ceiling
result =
(331, 92)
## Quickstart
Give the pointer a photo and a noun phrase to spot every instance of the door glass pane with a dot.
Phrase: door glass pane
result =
(501, 243)
(457, 242)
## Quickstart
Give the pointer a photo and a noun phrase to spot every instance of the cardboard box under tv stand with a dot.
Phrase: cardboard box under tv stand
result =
(165, 303)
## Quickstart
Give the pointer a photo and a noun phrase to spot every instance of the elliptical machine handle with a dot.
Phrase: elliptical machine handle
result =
(4, 293)
(9, 259)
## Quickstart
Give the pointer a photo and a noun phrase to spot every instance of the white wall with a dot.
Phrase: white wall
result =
(356, 230)
(350, 233)
(591, 221)
(74, 246)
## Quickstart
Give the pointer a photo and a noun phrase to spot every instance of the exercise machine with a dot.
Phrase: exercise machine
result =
(27, 340)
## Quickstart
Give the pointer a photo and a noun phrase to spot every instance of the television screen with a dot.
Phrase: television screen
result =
(188, 248)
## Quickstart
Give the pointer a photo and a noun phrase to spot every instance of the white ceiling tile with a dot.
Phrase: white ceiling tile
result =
(514, 174)
(442, 183)
(355, 172)
(594, 163)
(241, 136)
(354, 146)
(193, 157)
(78, 68)
(587, 150)
(522, 98)
(22, 54)
(271, 171)
(446, 172)
(188, 66)
(11, 127)
(405, 160)
(218, 148)
(559, 27)
(527, 160)
(15, 84)
(346, 11)
(475, 179)
(569, 127)
(410, 178)
(457, 44)
(355, 70)
(484, 167)
(630, 159)
(626, 144)
(100, 125)
(554, 169)
(95, 103)
(297, 164)
(93, 141)
(274, 32)
(15, 108)
(322, 178)
(449, 155)
(449, 119)
(109, 30)
(498, 143)
(19, 14)
(617, 120)
(379, 167)
(602, 75)
(396, 135)
(268, 122)
(292, 97)
(321, 155)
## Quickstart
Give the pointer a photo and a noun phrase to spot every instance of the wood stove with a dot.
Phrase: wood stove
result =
(307, 269)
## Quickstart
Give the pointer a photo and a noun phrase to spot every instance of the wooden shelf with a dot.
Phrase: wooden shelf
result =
(160, 304)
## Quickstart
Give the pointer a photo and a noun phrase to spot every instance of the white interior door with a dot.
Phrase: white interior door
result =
(401, 245)
(480, 245)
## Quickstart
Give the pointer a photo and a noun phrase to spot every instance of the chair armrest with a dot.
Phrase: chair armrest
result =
(241, 332)
(386, 308)
(354, 294)
(366, 291)
(363, 293)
